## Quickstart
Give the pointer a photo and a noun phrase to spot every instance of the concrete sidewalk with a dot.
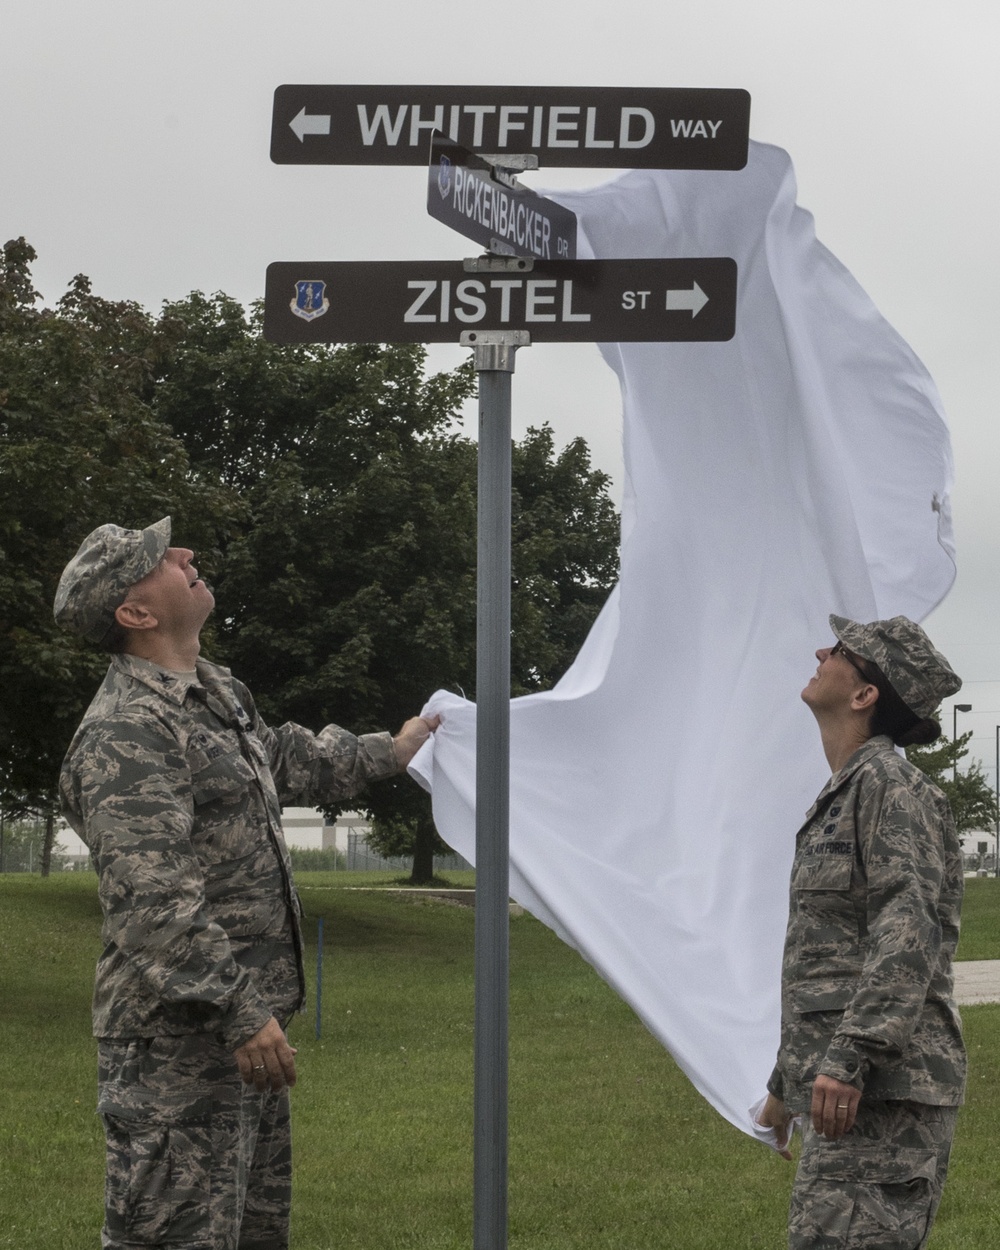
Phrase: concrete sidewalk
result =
(977, 981)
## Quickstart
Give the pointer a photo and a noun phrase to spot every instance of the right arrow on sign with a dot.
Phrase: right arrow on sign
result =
(304, 123)
(683, 301)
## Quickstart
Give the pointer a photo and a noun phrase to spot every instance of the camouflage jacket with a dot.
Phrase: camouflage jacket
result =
(867, 985)
(176, 785)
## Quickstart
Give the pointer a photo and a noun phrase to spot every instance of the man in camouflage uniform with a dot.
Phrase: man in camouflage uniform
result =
(871, 1056)
(176, 785)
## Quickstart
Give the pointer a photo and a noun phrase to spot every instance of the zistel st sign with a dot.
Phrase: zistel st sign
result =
(609, 127)
(652, 300)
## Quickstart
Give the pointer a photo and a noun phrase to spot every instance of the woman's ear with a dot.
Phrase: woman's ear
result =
(864, 699)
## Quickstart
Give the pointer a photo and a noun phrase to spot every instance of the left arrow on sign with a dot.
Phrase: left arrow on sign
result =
(304, 123)
(681, 301)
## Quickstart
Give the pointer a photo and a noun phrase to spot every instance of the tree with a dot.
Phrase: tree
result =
(78, 445)
(973, 801)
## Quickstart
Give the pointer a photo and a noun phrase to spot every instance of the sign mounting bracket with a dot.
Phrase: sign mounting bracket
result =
(490, 262)
(494, 349)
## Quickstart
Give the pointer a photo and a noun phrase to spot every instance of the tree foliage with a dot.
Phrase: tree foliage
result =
(972, 798)
(326, 491)
(79, 445)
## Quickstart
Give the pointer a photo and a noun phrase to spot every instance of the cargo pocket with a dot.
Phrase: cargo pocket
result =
(891, 1193)
(218, 776)
(159, 1171)
(820, 995)
(831, 872)
(825, 924)
(219, 787)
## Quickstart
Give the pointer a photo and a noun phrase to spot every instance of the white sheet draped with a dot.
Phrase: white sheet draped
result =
(802, 468)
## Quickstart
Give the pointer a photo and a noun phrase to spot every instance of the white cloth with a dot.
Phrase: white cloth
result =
(769, 1136)
(802, 468)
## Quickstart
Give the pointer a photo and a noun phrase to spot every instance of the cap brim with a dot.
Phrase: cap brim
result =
(155, 541)
(852, 634)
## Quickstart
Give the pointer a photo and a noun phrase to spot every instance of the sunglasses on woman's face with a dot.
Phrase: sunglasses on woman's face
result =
(839, 649)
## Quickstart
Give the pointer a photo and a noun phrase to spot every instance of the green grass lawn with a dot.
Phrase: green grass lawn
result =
(980, 919)
(609, 1144)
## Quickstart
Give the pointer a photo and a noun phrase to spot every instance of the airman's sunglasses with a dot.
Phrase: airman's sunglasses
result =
(839, 649)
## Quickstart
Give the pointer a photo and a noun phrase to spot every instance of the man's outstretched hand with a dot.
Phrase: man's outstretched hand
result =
(412, 737)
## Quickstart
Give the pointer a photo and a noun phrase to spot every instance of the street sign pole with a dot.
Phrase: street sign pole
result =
(493, 354)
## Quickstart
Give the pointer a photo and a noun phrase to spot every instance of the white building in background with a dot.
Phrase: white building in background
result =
(74, 848)
(305, 829)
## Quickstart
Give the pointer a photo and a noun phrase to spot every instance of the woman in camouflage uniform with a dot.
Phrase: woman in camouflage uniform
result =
(871, 1055)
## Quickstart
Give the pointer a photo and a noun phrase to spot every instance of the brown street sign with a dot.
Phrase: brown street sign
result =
(554, 301)
(606, 127)
(488, 205)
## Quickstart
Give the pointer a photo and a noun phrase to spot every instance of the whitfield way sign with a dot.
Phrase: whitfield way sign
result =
(609, 127)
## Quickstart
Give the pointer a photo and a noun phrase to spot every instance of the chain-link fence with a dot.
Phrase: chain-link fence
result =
(362, 858)
(22, 843)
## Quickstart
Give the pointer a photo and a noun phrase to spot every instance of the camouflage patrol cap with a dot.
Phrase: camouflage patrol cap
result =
(915, 669)
(96, 580)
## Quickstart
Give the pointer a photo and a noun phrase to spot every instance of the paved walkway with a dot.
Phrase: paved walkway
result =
(977, 981)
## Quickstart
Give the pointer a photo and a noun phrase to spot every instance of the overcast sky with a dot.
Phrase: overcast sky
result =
(134, 148)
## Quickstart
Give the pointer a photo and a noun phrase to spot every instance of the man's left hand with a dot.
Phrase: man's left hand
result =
(834, 1107)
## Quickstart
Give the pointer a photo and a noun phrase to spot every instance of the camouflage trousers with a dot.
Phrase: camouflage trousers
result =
(877, 1188)
(195, 1159)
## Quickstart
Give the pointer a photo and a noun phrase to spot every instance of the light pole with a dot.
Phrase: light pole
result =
(996, 861)
(955, 709)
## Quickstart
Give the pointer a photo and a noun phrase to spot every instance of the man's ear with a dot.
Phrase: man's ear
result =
(132, 615)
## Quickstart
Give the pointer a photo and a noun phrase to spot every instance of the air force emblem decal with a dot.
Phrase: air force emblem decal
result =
(444, 176)
(310, 300)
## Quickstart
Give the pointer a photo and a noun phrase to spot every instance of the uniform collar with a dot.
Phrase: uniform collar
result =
(868, 750)
(172, 687)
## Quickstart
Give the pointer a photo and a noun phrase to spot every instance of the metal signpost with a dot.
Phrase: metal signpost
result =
(529, 288)
(319, 978)
(494, 362)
